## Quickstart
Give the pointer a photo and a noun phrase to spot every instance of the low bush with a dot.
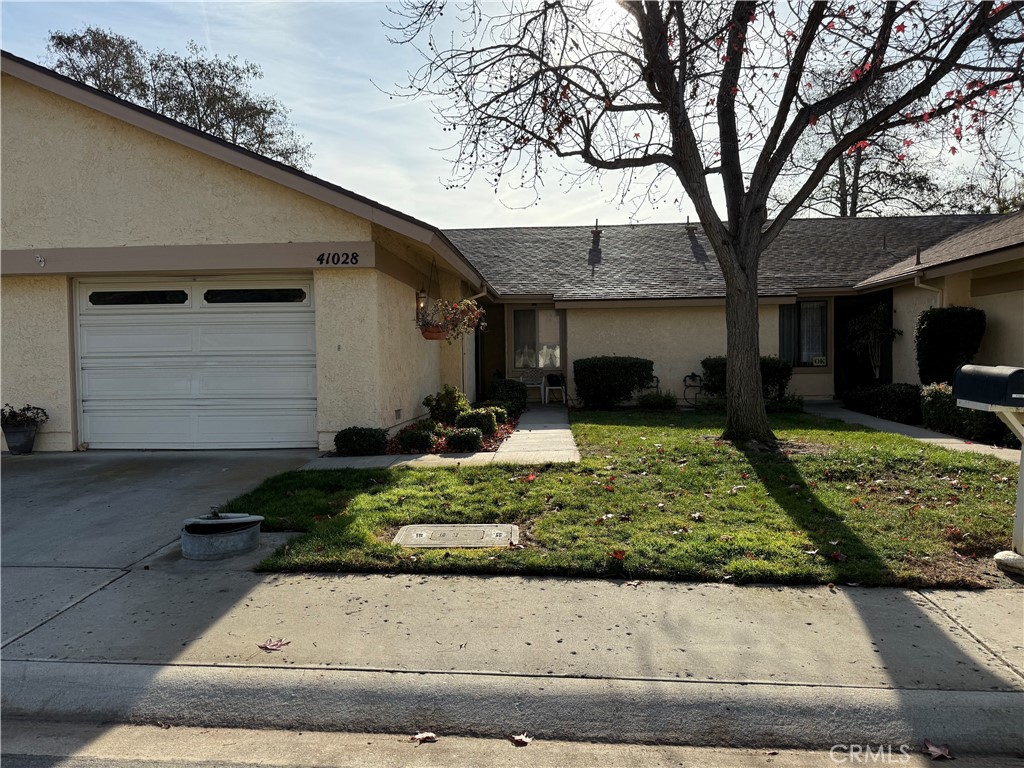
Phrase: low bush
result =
(468, 440)
(500, 412)
(940, 412)
(894, 402)
(945, 339)
(446, 405)
(480, 418)
(658, 401)
(604, 382)
(511, 394)
(415, 441)
(425, 425)
(776, 374)
(361, 441)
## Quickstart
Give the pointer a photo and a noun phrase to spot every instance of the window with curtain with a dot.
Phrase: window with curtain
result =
(536, 339)
(803, 333)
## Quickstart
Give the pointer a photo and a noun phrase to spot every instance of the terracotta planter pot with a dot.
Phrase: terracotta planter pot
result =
(21, 439)
(433, 333)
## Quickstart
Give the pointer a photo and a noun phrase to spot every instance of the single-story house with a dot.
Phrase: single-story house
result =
(162, 288)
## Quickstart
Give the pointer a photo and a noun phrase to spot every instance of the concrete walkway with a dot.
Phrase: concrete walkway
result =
(542, 437)
(833, 410)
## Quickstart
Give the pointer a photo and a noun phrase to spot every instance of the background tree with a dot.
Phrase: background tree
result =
(211, 93)
(706, 94)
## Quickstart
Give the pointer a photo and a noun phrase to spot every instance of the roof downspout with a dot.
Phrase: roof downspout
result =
(919, 284)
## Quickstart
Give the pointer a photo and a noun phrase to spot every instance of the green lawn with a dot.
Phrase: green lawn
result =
(660, 496)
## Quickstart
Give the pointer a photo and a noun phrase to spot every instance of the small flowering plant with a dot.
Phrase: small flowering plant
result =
(23, 417)
(453, 318)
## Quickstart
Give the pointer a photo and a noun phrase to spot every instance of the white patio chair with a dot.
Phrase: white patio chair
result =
(533, 377)
(553, 382)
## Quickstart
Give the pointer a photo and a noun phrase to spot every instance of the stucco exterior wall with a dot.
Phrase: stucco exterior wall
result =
(675, 338)
(907, 303)
(73, 177)
(348, 351)
(408, 366)
(35, 321)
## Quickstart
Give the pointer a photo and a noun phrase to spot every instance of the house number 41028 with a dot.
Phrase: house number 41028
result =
(337, 259)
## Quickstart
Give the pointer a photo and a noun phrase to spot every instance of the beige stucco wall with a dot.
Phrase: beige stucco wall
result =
(73, 177)
(35, 323)
(408, 366)
(907, 303)
(347, 351)
(1003, 343)
(675, 338)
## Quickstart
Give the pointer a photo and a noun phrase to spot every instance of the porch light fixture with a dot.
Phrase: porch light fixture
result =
(421, 302)
(594, 254)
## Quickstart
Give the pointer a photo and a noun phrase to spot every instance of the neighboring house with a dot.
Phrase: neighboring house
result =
(164, 289)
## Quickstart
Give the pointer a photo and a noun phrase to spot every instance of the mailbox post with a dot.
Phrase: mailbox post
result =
(999, 389)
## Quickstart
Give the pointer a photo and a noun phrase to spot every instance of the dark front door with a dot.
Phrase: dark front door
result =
(853, 368)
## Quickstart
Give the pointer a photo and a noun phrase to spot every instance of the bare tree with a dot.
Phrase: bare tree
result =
(701, 92)
(211, 93)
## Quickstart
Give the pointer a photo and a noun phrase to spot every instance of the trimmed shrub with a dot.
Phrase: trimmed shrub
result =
(941, 413)
(946, 338)
(500, 412)
(481, 419)
(604, 382)
(446, 405)
(415, 441)
(361, 441)
(511, 394)
(467, 440)
(894, 402)
(425, 425)
(775, 376)
(658, 401)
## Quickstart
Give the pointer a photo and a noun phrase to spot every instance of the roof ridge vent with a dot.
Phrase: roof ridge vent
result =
(594, 254)
(691, 229)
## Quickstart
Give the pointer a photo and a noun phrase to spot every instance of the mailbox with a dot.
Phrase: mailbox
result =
(1000, 386)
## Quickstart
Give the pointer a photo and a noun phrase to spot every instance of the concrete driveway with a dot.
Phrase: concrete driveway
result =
(73, 522)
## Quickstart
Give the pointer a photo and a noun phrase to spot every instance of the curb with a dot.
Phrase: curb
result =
(627, 711)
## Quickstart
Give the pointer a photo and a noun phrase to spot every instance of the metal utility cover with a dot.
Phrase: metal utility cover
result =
(452, 536)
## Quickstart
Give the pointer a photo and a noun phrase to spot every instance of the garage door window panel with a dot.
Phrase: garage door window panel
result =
(254, 296)
(138, 298)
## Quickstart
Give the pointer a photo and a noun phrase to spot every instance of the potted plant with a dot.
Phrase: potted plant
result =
(20, 425)
(450, 319)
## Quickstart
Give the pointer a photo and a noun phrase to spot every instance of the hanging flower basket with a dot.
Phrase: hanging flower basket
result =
(450, 320)
(434, 332)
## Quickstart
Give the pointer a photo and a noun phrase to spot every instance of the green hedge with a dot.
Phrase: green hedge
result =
(894, 402)
(500, 411)
(415, 441)
(446, 405)
(941, 413)
(361, 441)
(604, 382)
(775, 376)
(480, 418)
(946, 338)
(467, 440)
(510, 394)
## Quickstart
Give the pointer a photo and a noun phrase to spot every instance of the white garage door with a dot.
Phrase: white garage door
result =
(197, 363)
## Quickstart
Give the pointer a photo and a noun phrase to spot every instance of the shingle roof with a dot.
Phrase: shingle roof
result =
(663, 261)
(1004, 232)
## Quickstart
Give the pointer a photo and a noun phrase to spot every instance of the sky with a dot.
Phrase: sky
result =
(328, 63)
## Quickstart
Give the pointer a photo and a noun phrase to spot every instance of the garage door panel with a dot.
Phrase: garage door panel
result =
(145, 383)
(136, 339)
(266, 339)
(256, 382)
(197, 375)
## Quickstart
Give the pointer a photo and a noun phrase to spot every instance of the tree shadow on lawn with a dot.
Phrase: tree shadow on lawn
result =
(913, 649)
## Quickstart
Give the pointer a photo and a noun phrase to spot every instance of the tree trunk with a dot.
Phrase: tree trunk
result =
(746, 418)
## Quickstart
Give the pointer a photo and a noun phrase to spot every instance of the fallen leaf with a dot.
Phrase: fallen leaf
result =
(697, 517)
(521, 739)
(633, 584)
(617, 554)
(424, 737)
(736, 489)
(810, 551)
(936, 751)
(838, 556)
(273, 645)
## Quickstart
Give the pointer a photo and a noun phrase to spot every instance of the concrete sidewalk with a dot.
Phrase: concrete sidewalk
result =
(175, 642)
(833, 410)
(543, 436)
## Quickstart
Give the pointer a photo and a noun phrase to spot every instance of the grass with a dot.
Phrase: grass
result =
(659, 496)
